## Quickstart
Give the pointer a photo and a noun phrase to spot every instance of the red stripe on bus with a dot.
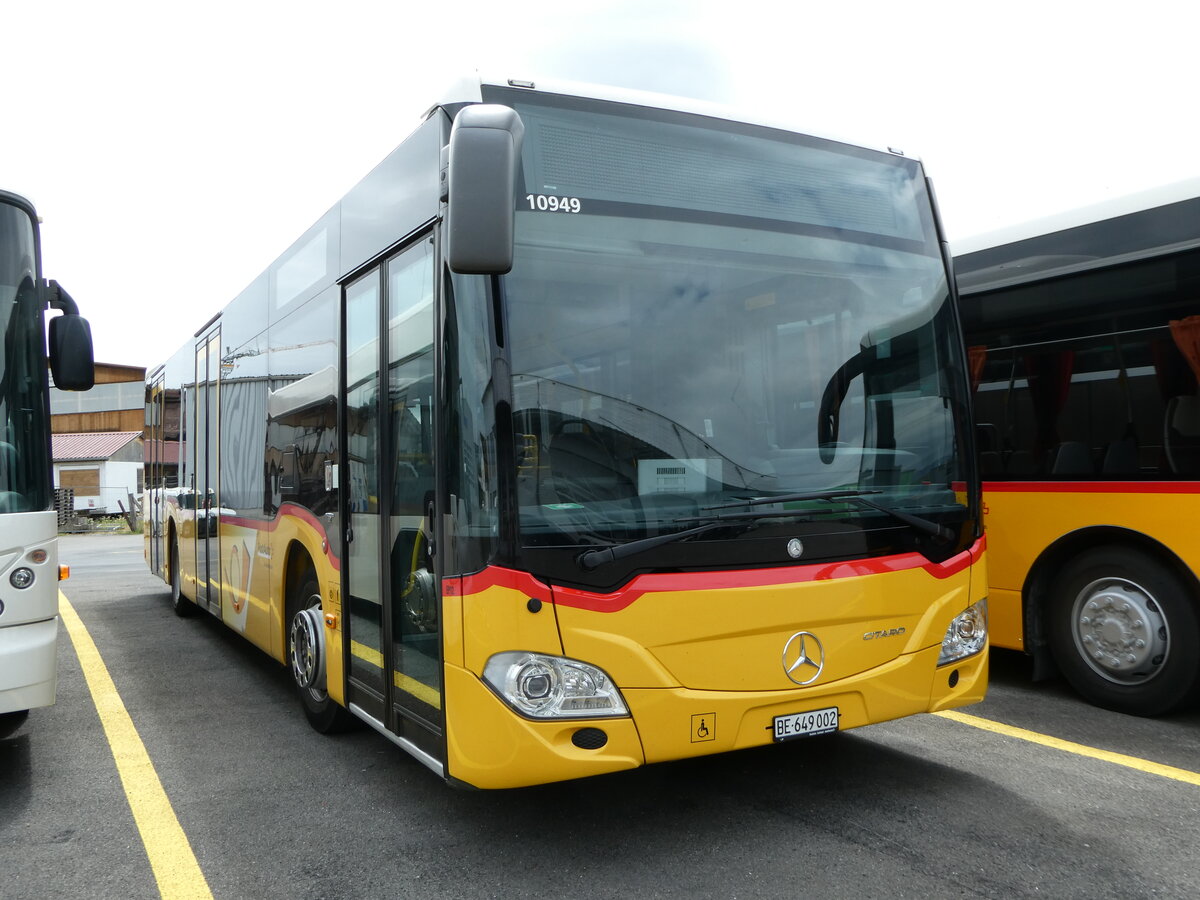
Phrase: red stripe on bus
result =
(494, 576)
(1093, 487)
(706, 581)
(294, 511)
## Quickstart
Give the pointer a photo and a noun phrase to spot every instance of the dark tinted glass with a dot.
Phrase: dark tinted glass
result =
(1091, 375)
(24, 455)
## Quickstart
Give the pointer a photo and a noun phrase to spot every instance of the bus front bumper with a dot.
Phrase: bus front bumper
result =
(493, 747)
(28, 665)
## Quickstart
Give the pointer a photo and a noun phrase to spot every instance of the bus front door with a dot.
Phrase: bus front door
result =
(207, 469)
(394, 604)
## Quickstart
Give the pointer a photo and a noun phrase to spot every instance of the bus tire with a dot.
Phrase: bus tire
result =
(1125, 631)
(306, 659)
(182, 606)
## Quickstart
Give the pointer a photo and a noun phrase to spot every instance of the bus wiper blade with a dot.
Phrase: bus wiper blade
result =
(751, 514)
(921, 524)
(792, 498)
(592, 559)
(926, 525)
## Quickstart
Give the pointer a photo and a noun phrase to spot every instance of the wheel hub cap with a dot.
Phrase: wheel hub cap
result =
(307, 657)
(1120, 631)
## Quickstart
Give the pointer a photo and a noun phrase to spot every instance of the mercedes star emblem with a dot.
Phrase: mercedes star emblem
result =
(803, 658)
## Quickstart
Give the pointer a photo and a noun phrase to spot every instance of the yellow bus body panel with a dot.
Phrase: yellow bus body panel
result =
(490, 746)
(253, 568)
(735, 720)
(498, 618)
(732, 638)
(700, 661)
(1023, 519)
(296, 525)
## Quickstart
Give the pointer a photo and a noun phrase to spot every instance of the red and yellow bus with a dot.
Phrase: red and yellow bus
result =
(591, 429)
(1084, 339)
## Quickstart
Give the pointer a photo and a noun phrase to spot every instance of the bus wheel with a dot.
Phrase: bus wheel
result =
(1125, 631)
(182, 605)
(306, 658)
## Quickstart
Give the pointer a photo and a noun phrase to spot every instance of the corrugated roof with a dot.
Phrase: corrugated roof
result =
(91, 445)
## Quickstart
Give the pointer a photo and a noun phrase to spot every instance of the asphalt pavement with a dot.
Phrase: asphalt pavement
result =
(924, 807)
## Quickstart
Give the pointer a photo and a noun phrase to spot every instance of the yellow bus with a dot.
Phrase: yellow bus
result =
(1084, 339)
(591, 429)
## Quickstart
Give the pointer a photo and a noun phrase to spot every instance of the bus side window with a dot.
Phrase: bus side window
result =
(287, 470)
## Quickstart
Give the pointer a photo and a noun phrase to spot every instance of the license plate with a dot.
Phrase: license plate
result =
(806, 724)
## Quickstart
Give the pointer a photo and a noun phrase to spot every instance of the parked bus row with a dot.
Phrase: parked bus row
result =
(593, 429)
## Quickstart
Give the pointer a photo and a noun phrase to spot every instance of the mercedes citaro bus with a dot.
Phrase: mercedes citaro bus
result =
(590, 429)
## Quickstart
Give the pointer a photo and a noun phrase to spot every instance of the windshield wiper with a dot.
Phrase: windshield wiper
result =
(921, 524)
(790, 498)
(592, 559)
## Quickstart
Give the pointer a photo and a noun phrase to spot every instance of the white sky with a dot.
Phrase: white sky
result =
(175, 150)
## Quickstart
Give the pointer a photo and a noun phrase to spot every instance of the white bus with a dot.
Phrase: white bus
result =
(29, 571)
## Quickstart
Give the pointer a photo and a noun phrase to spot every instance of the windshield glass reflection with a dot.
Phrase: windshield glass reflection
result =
(702, 312)
(24, 456)
(668, 372)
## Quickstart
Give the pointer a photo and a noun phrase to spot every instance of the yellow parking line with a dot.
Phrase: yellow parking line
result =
(1130, 762)
(171, 858)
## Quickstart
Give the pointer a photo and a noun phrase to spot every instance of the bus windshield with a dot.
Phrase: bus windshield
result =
(24, 454)
(684, 311)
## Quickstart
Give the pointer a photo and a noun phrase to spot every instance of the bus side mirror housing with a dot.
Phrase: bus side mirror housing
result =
(485, 151)
(71, 361)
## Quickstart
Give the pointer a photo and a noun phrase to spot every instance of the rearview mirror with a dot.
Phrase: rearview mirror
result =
(485, 150)
(71, 361)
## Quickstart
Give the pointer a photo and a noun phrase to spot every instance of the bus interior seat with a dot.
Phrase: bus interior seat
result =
(991, 462)
(1121, 457)
(1181, 433)
(987, 438)
(1022, 462)
(1072, 458)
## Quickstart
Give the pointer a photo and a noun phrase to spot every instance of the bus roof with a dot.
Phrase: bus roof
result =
(1110, 208)
(1150, 223)
(468, 90)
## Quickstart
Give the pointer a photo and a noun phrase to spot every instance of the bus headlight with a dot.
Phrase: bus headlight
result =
(966, 635)
(553, 687)
(21, 578)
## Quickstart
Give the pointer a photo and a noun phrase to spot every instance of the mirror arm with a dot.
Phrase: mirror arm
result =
(57, 298)
(829, 412)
